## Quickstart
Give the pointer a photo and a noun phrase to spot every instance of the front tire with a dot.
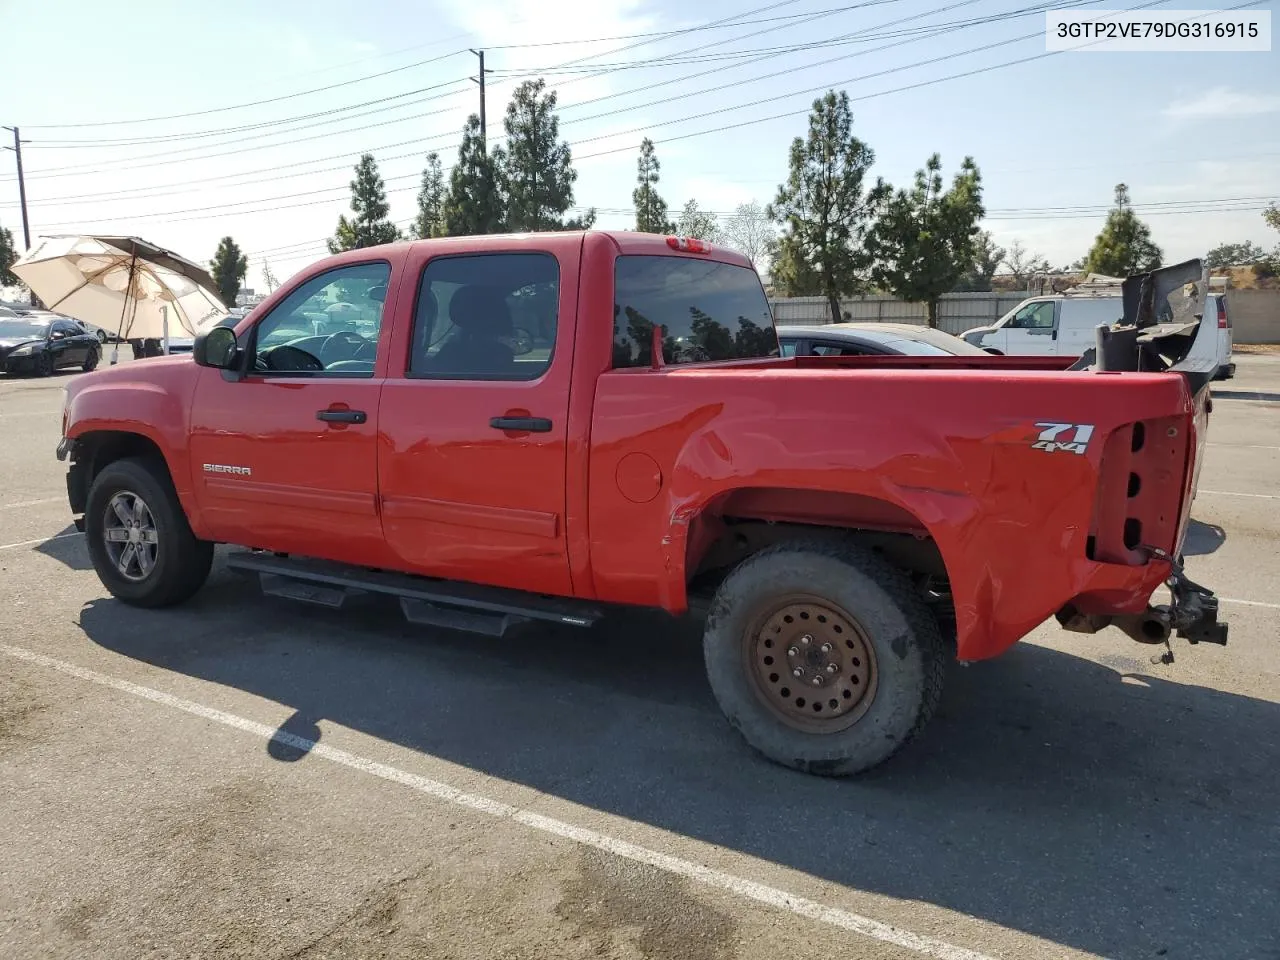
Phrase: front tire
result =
(91, 361)
(138, 537)
(823, 656)
(45, 364)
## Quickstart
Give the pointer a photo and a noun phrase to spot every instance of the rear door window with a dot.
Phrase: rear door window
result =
(707, 311)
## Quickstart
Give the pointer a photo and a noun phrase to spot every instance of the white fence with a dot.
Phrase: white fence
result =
(957, 312)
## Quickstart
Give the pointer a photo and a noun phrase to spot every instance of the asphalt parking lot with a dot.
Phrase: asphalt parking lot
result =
(577, 794)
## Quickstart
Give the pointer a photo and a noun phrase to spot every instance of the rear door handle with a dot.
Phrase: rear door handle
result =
(342, 416)
(526, 424)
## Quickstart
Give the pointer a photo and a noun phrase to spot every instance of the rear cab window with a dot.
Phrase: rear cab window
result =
(708, 311)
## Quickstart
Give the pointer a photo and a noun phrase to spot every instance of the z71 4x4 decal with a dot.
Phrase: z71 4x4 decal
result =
(1071, 437)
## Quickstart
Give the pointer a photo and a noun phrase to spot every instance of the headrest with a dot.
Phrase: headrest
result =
(480, 311)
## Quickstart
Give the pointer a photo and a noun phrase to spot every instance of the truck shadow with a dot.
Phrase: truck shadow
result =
(1103, 808)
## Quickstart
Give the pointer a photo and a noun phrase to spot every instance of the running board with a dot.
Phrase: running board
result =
(471, 607)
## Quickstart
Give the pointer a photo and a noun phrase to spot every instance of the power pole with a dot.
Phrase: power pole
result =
(484, 136)
(22, 198)
(22, 186)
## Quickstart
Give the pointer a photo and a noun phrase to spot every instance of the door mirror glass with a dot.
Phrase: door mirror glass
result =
(217, 348)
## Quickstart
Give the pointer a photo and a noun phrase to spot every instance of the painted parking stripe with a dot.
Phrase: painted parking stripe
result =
(1251, 603)
(1232, 493)
(738, 886)
(32, 543)
(30, 503)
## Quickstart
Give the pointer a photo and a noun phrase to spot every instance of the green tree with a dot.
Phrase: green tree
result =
(537, 165)
(228, 267)
(790, 274)
(1124, 247)
(823, 208)
(474, 203)
(651, 209)
(1272, 216)
(700, 224)
(370, 226)
(923, 242)
(987, 258)
(8, 255)
(1234, 255)
(430, 219)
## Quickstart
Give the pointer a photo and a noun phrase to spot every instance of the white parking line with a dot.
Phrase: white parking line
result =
(32, 543)
(29, 503)
(739, 886)
(1251, 603)
(1244, 446)
(1232, 493)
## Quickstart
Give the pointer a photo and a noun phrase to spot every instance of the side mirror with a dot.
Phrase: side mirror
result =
(218, 349)
(58, 335)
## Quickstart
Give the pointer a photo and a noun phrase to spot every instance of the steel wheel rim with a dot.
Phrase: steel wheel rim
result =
(811, 664)
(130, 536)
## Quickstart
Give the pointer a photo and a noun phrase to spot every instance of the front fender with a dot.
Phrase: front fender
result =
(156, 407)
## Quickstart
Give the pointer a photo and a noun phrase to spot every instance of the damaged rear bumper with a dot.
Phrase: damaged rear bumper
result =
(1192, 616)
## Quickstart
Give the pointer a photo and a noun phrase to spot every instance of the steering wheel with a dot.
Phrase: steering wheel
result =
(286, 358)
(520, 341)
(351, 339)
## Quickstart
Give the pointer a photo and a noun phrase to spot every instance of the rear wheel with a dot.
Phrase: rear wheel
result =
(823, 656)
(138, 537)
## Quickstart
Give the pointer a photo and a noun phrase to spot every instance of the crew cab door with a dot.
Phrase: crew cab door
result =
(1031, 332)
(474, 428)
(286, 457)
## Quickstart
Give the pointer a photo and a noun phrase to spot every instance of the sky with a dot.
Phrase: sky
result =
(183, 123)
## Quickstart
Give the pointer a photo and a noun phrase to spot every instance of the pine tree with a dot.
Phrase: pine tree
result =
(430, 220)
(8, 255)
(822, 206)
(228, 267)
(1124, 247)
(923, 242)
(537, 166)
(651, 209)
(474, 203)
(370, 226)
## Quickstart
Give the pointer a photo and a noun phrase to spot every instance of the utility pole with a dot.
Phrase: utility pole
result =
(22, 186)
(22, 198)
(484, 136)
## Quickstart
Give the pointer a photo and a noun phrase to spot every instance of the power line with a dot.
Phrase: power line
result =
(131, 163)
(936, 29)
(252, 103)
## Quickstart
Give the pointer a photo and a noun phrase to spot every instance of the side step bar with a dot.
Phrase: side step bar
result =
(475, 608)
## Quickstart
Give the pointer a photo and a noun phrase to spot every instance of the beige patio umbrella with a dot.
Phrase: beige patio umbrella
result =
(125, 284)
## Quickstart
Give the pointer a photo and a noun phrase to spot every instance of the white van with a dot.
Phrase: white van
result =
(1065, 325)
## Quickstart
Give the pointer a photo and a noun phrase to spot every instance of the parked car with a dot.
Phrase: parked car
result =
(546, 426)
(870, 340)
(30, 345)
(1064, 325)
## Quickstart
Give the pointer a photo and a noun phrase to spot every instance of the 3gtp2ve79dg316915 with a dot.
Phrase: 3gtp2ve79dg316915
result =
(511, 428)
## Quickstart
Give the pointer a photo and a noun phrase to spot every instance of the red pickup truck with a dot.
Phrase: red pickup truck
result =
(504, 429)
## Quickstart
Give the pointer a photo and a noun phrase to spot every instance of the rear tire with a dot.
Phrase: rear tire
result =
(869, 674)
(164, 563)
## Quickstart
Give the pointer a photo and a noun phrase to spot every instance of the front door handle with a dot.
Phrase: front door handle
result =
(342, 416)
(524, 424)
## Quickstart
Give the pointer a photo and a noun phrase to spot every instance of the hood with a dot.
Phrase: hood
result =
(976, 333)
(9, 344)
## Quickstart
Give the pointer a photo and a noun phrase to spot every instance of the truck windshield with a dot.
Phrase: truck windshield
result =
(708, 311)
